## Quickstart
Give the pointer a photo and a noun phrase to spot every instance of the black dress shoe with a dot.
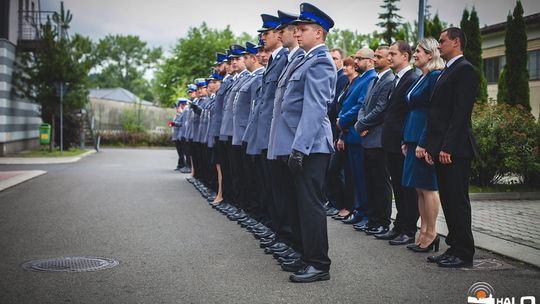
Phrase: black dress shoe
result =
(402, 239)
(376, 230)
(331, 211)
(454, 262)
(438, 258)
(389, 235)
(433, 246)
(277, 247)
(309, 274)
(338, 217)
(353, 218)
(267, 243)
(293, 266)
(285, 253)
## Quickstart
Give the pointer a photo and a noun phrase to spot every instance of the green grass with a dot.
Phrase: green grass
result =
(503, 188)
(56, 153)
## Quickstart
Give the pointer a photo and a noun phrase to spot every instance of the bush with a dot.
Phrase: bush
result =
(136, 139)
(508, 139)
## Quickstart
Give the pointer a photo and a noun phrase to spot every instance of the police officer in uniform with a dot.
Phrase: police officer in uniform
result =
(304, 140)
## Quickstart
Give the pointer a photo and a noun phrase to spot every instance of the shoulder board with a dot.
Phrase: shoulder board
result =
(321, 54)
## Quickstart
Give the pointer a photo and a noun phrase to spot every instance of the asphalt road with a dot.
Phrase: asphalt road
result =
(173, 248)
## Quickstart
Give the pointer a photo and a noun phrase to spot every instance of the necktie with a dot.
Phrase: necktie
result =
(396, 80)
(270, 60)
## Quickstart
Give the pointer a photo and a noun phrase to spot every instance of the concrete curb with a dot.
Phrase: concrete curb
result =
(495, 196)
(20, 178)
(43, 160)
(487, 242)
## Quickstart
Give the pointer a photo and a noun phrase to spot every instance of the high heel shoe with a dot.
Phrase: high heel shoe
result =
(433, 246)
(411, 246)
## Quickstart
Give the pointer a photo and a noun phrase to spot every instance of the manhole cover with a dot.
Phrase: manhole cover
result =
(489, 264)
(69, 264)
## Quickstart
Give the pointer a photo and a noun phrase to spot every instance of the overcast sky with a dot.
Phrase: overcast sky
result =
(162, 22)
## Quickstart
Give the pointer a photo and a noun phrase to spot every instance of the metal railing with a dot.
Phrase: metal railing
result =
(30, 24)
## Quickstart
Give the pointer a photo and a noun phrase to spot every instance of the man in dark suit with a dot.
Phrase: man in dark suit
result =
(370, 126)
(450, 146)
(404, 228)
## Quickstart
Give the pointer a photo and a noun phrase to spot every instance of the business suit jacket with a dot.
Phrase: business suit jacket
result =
(265, 103)
(333, 110)
(305, 126)
(226, 129)
(242, 105)
(278, 98)
(396, 114)
(449, 126)
(418, 103)
(216, 112)
(352, 103)
(371, 115)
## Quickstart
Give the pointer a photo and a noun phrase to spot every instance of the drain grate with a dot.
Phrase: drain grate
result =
(70, 264)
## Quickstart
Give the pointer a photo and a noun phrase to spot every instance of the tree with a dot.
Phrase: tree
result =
(351, 41)
(473, 50)
(390, 20)
(57, 59)
(191, 57)
(516, 75)
(122, 61)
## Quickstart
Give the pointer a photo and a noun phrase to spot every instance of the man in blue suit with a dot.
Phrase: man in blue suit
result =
(304, 140)
(370, 126)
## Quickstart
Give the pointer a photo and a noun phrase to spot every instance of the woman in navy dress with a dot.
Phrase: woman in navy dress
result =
(416, 172)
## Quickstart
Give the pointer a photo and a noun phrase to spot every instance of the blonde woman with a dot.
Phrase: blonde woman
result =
(416, 172)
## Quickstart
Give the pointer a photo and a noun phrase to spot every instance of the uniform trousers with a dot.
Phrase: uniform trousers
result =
(236, 159)
(307, 214)
(284, 197)
(267, 193)
(226, 181)
(379, 190)
(453, 182)
(181, 158)
(405, 197)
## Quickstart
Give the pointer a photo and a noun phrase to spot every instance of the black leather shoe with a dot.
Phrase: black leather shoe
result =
(293, 256)
(331, 211)
(285, 253)
(438, 258)
(267, 243)
(433, 246)
(389, 235)
(293, 266)
(309, 274)
(277, 247)
(376, 230)
(353, 218)
(340, 217)
(454, 262)
(264, 234)
(402, 239)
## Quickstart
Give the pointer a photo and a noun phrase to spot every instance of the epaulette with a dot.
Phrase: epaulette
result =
(321, 54)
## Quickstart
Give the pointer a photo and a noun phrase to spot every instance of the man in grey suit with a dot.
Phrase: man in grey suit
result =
(304, 140)
(370, 127)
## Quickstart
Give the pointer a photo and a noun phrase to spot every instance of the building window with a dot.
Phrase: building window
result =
(534, 67)
(493, 67)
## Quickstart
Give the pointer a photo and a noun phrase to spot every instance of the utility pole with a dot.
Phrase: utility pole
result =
(421, 12)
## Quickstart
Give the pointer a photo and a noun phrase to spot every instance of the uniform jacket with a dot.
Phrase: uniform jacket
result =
(351, 104)
(396, 114)
(199, 113)
(205, 119)
(371, 115)
(226, 129)
(283, 80)
(216, 112)
(265, 103)
(177, 128)
(189, 122)
(305, 126)
(242, 105)
(449, 118)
